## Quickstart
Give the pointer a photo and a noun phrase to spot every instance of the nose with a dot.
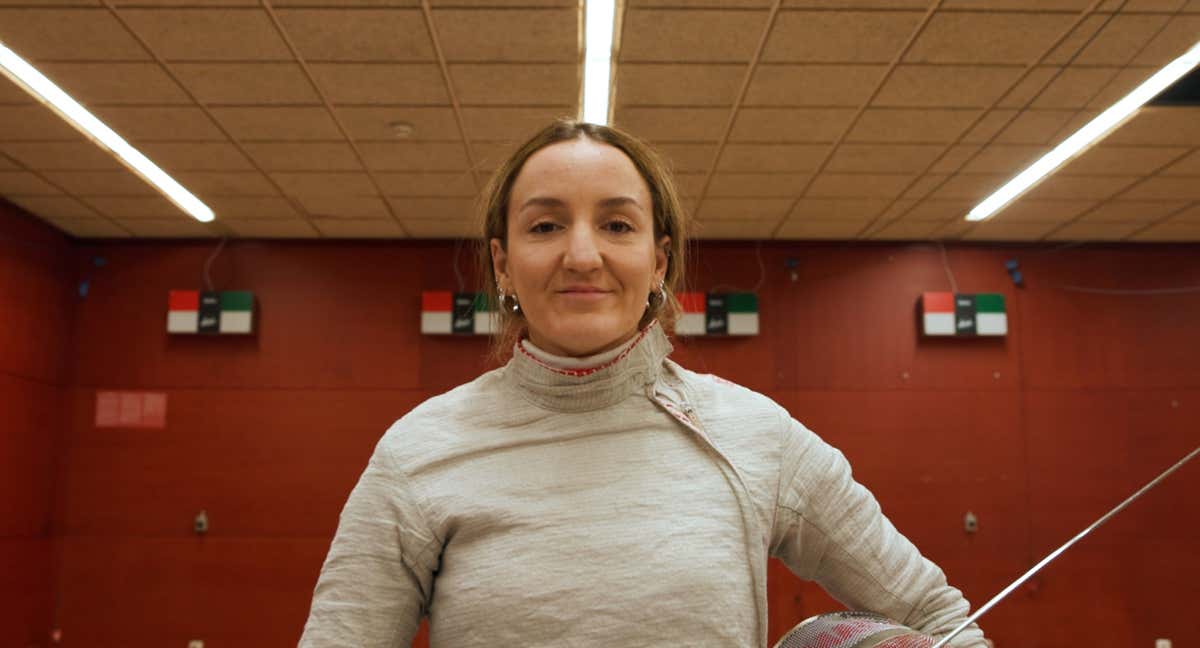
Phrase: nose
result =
(583, 253)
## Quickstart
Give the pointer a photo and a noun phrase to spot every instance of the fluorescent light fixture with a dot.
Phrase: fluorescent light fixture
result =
(1093, 131)
(597, 60)
(36, 84)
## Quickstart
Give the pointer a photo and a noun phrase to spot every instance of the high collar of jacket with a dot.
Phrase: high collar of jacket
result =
(589, 388)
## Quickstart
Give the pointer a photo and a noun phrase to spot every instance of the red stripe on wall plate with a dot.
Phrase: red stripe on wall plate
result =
(437, 300)
(938, 302)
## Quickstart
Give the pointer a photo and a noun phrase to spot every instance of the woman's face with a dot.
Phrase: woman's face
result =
(581, 256)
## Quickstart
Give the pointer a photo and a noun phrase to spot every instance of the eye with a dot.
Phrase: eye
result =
(618, 226)
(544, 227)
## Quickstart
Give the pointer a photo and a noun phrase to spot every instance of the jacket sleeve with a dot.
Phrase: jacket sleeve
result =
(377, 578)
(829, 529)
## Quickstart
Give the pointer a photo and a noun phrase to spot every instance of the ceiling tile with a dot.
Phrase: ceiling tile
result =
(1093, 232)
(1191, 215)
(1172, 42)
(1189, 165)
(486, 35)
(414, 156)
(426, 184)
(756, 185)
(88, 228)
(772, 157)
(1120, 85)
(1132, 211)
(905, 230)
(478, 3)
(836, 36)
(1014, 38)
(135, 207)
(1024, 5)
(11, 94)
(700, 4)
(813, 85)
(858, 210)
(1121, 160)
(251, 207)
(714, 230)
(434, 229)
(858, 185)
(883, 158)
(1035, 127)
(375, 123)
(339, 207)
(77, 156)
(490, 155)
(911, 125)
(195, 156)
(293, 123)
(682, 157)
(954, 158)
(744, 209)
(359, 228)
(687, 84)
(939, 210)
(225, 183)
(1165, 188)
(1064, 187)
(1079, 38)
(154, 123)
(856, 4)
(33, 122)
(796, 229)
(303, 156)
(1004, 158)
(1173, 231)
(381, 83)
(554, 84)
(181, 227)
(993, 230)
(969, 186)
(686, 35)
(689, 185)
(324, 183)
(496, 123)
(925, 185)
(1029, 86)
(101, 183)
(674, 124)
(329, 34)
(67, 34)
(790, 124)
(55, 207)
(451, 209)
(1075, 87)
(247, 83)
(951, 86)
(1160, 126)
(992, 122)
(1121, 39)
(1043, 211)
(279, 228)
(224, 34)
(116, 83)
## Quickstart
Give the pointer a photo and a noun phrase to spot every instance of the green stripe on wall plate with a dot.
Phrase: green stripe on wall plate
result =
(741, 303)
(481, 302)
(989, 303)
(237, 300)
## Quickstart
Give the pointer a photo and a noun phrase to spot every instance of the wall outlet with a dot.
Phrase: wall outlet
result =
(196, 643)
(1162, 643)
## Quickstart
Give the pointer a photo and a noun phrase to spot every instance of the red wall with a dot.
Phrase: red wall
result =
(1088, 397)
(36, 280)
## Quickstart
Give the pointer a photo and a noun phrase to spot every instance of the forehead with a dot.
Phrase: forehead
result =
(580, 169)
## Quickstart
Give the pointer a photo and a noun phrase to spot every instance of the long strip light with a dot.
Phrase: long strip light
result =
(597, 60)
(44, 90)
(1093, 131)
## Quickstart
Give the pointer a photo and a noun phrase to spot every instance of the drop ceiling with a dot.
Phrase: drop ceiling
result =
(798, 119)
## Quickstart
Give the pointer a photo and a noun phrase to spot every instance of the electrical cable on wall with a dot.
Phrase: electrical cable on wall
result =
(208, 284)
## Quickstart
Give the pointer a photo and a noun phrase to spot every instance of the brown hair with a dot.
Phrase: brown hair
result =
(668, 220)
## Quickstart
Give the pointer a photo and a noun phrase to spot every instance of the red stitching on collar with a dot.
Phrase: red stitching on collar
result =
(587, 371)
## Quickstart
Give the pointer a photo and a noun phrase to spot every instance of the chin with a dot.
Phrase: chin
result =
(585, 334)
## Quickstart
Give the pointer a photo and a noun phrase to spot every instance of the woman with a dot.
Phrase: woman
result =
(591, 491)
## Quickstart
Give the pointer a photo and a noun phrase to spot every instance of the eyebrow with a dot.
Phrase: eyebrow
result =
(607, 203)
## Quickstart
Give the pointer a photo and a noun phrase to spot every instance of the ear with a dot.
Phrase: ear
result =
(661, 258)
(499, 261)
